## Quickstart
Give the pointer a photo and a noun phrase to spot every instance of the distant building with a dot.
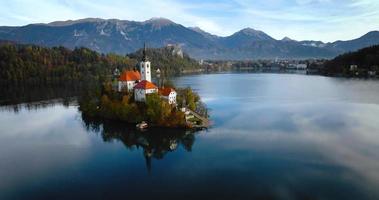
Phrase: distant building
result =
(297, 66)
(176, 50)
(128, 80)
(301, 66)
(353, 67)
(371, 73)
(116, 73)
(142, 89)
(169, 94)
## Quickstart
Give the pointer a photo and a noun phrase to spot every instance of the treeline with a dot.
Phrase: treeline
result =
(31, 64)
(168, 60)
(366, 59)
(37, 65)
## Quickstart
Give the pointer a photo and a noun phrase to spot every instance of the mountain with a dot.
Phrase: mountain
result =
(245, 37)
(287, 39)
(123, 37)
(313, 43)
(105, 36)
(369, 39)
(204, 33)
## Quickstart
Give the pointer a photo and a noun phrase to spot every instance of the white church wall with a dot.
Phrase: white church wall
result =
(145, 69)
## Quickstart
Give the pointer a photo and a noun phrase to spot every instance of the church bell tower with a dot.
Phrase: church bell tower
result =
(144, 66)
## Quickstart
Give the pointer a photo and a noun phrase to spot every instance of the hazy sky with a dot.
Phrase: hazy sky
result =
(325, 20)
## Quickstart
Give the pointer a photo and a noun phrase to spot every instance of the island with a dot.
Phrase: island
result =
(133, 97)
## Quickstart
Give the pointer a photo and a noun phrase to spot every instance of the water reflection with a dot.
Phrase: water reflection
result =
(155, 142)
(17, 94)
(275, 136)
(38, 105)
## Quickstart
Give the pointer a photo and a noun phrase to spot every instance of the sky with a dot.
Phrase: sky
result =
(325, 20)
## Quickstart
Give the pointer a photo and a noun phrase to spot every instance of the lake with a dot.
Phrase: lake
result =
(274, 136)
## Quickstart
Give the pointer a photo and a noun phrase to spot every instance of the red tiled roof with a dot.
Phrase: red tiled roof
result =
(145, 85)
(130, 76)
(165, 91)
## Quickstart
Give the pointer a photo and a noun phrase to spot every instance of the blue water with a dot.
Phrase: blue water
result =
(274, 136)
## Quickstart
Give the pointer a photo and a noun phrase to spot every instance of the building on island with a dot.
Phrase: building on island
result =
(169, 94)
(128, 79)
(145, 68)
(140, 82)
(144, 88)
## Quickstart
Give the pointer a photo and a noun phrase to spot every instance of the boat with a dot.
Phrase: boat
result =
(142, 125)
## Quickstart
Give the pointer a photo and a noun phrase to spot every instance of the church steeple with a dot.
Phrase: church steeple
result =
(148, 154)
(144, 65)
(144, 58)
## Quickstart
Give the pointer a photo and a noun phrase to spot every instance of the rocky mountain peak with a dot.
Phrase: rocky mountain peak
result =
(253, 34)
(159, 21)
(287, 39)
(71, 22)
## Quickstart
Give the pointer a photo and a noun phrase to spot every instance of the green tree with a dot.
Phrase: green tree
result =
(157, 109)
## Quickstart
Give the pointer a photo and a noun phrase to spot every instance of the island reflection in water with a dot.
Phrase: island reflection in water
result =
(275, 136)
(155, 142)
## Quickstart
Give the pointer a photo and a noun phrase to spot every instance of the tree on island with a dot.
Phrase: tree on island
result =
(110, 104)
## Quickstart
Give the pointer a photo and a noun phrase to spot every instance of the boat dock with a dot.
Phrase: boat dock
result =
(195, 119)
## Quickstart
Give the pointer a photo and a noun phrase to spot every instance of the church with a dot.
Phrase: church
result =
(140, 83)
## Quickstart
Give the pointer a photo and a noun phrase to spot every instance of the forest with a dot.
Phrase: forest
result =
(367, 59)
(168, 60)
(36, 65)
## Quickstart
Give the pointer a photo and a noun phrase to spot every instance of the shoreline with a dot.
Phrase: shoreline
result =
(133, 125)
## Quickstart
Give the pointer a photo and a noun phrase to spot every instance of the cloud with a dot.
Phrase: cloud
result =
(346, 138)
(34, 129)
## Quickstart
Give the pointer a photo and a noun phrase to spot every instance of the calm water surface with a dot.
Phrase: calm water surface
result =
(274, 136)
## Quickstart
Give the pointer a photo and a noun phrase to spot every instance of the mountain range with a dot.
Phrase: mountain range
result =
(122, 37)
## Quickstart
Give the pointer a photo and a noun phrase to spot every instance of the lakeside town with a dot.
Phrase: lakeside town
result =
(309, 66)
(360, 63)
